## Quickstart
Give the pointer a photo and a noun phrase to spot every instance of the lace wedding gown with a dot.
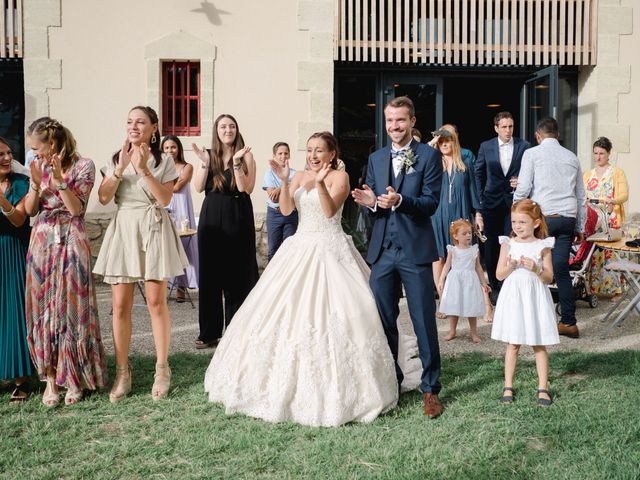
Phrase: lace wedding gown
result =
(307, 345)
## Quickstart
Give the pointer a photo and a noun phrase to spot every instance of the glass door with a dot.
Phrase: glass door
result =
(426, 94)
(539, 100)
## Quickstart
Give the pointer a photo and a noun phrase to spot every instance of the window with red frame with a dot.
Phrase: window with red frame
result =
(181, 98)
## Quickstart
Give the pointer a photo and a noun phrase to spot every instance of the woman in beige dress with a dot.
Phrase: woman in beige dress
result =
(140, 244)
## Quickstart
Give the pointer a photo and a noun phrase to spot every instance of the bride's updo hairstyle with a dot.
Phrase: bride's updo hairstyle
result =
(331, 143)
(533, 210)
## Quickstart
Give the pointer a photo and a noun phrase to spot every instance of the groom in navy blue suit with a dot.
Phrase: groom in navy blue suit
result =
(402, 191)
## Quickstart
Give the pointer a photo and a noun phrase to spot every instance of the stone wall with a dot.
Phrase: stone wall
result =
(97, 225)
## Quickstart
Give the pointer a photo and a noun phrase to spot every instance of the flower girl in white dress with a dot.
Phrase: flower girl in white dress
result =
(462, 281)
(524, 312)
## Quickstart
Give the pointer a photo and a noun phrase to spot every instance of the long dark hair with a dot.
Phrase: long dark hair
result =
(52, 130)
(332, 145)
(153, 146)
(217, 163)
(177, 141)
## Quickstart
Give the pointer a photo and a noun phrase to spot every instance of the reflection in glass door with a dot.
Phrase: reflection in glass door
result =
(539, 100)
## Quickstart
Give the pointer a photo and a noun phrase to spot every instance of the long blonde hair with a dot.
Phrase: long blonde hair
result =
(458, 164)
(50, 129)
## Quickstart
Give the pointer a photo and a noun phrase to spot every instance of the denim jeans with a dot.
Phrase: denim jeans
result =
(279, 228)
(563, 229)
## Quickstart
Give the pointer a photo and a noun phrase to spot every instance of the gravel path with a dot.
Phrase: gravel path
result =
(185, 329)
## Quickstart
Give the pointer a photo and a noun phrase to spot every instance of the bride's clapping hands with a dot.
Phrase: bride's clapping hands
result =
(323, 172)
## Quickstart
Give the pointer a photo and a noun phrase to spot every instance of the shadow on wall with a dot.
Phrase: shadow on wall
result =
(211, 12)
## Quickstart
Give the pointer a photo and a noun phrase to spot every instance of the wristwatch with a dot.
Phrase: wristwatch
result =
(62, 186)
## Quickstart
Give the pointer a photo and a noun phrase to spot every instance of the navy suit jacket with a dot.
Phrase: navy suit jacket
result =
(493, 184)
(420, 190)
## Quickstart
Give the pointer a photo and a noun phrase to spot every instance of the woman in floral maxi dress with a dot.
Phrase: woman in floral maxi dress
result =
(63, 331)
(607, 184)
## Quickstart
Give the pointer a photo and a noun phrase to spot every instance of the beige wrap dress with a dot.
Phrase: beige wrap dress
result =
(141, 242)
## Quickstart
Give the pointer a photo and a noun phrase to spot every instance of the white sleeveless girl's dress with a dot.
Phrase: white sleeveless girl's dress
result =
(524, 312)
(462, 295)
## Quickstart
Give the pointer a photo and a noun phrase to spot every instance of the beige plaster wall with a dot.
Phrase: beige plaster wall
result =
(272, 65)
(630, 107)
(609, 93)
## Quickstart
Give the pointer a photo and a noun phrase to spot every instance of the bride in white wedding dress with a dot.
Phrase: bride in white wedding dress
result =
(307, 345)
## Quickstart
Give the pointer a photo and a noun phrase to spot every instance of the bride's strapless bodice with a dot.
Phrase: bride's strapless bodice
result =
(311, 216)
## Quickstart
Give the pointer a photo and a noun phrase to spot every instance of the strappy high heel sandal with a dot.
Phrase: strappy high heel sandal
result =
(50, 399)
(73, 396)
(121, 385)
(162, 381)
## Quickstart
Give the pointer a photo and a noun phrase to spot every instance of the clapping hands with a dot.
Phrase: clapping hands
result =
(526, 262)
(241, 153)
(202, 154)
(281, 170)
(56, 170)
(36, 168)
(365, 196)
(323, 172)
(139, 158)
(124, 157)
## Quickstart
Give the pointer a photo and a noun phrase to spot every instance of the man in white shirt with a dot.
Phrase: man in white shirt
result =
(551, 176)
(496, 170)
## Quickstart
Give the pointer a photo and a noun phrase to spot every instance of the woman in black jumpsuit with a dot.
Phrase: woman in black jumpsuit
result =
(226, 232)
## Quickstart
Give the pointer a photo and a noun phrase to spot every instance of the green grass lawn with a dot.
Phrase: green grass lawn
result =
(591, 432)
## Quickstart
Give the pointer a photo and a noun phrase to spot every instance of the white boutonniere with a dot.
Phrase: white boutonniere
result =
(408, 161)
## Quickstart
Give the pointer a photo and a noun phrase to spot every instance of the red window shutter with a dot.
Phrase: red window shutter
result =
(181, 98)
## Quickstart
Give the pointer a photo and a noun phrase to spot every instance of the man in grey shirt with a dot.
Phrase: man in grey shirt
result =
(551, 175)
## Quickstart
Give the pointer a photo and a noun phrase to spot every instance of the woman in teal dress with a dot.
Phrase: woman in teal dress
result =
(15, 364)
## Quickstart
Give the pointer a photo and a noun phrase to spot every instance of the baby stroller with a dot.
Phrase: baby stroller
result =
(580, 264)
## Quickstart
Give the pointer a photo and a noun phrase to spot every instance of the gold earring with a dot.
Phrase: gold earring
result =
(153, 138)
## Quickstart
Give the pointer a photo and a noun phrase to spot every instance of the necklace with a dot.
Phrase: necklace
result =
(452, 177)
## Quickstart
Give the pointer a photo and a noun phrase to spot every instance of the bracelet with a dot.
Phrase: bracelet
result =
(203, 165)
(117, 177)
(237, 167)
(10, 212)
(34, 187)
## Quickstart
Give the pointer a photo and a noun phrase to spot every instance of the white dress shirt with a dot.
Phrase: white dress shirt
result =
(506, 154)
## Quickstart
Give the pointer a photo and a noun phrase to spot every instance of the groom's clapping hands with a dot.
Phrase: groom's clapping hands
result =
(389, 199)
(365, 197)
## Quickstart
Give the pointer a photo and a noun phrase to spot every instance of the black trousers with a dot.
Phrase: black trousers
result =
(497, 222)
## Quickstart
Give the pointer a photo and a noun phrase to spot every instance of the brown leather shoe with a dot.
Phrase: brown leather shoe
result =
(570, 331)
(432, 406)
